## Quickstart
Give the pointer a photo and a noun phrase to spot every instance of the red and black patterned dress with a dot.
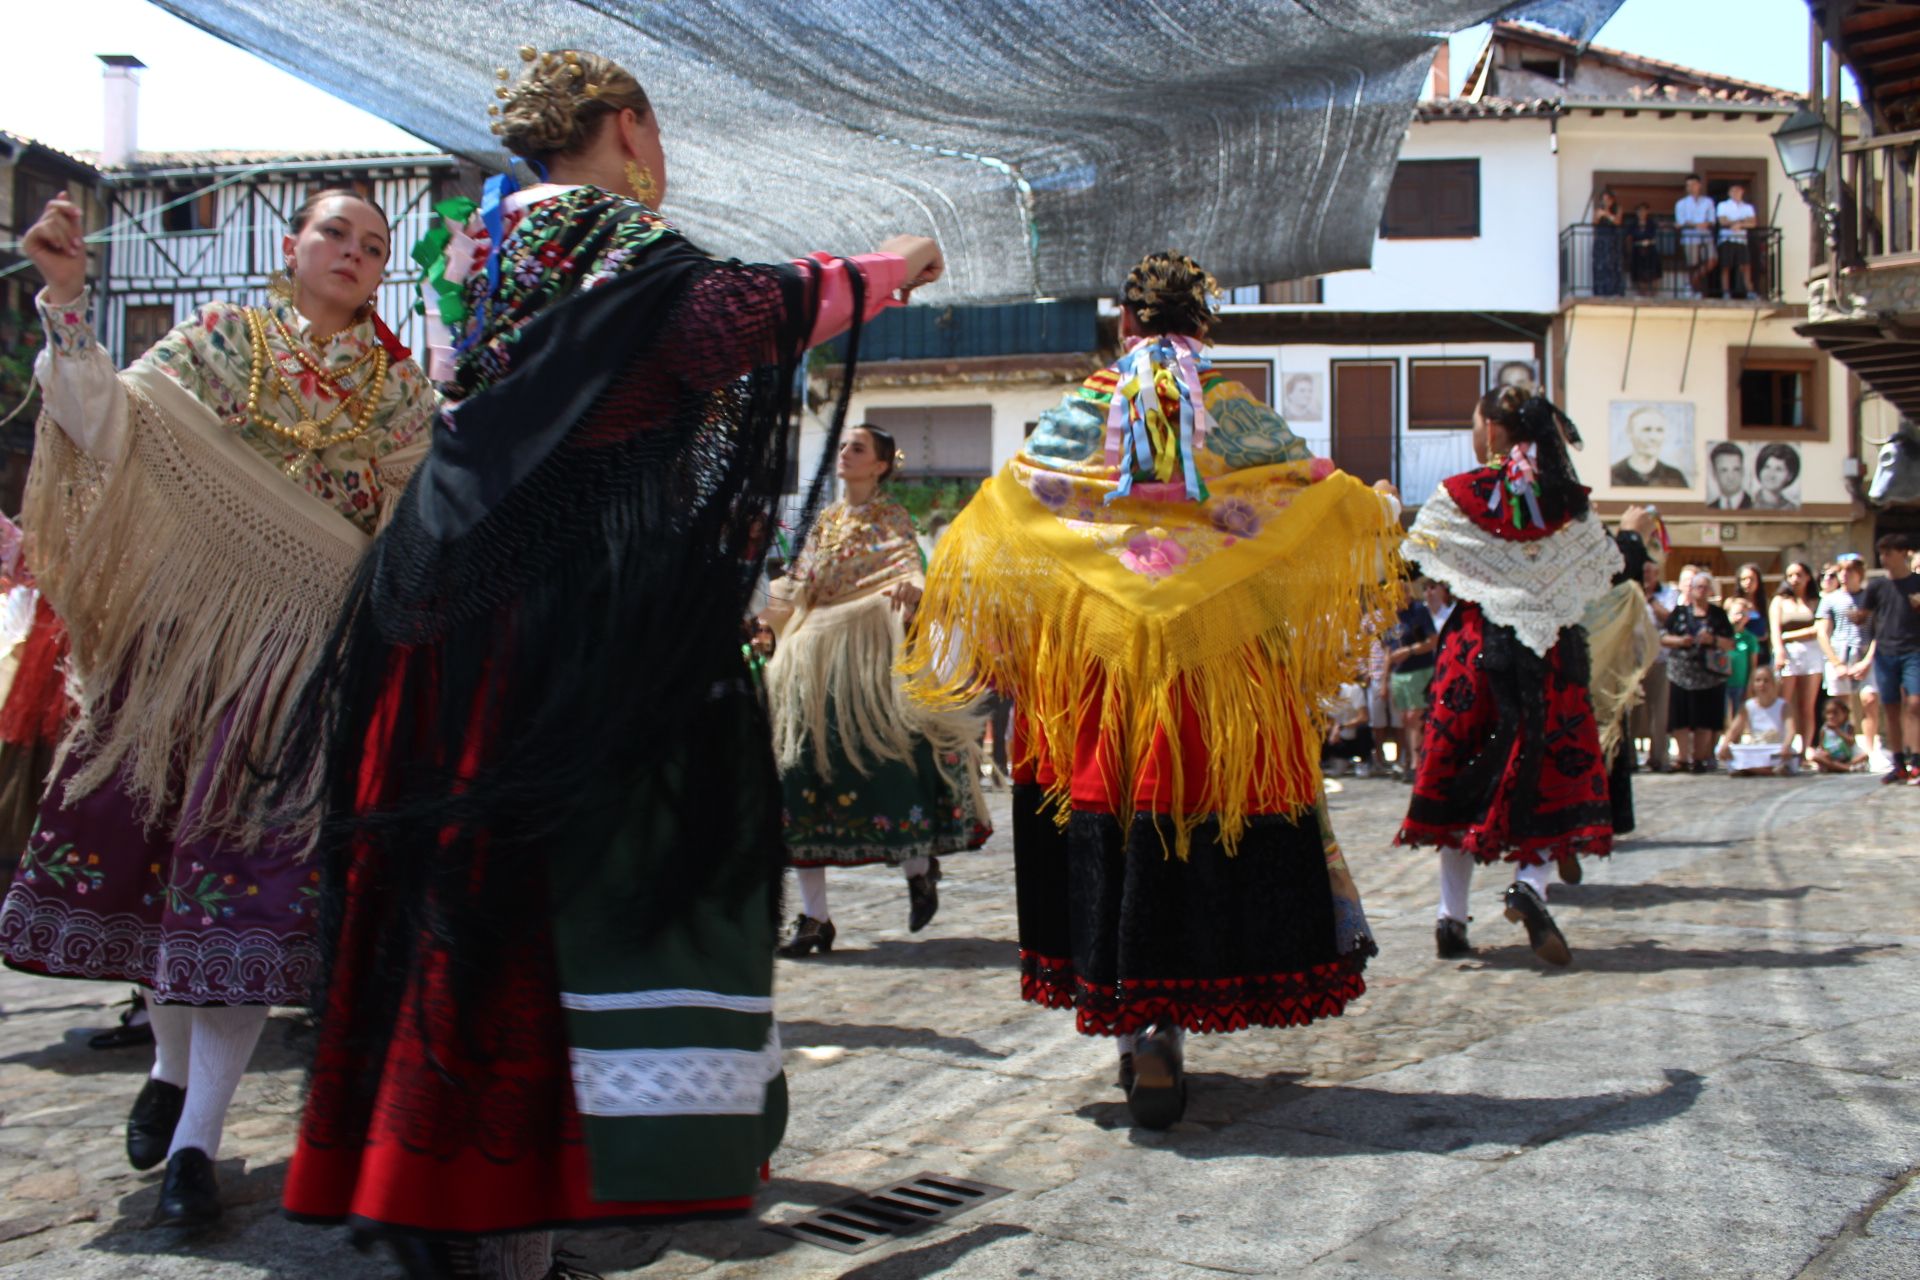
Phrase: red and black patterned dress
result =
(1511, 769)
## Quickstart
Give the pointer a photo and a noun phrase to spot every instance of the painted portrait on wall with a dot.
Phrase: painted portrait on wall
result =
(1515, 373)
(1729, 482)
(1652, 444)
(1301, 398)
(1776, 476)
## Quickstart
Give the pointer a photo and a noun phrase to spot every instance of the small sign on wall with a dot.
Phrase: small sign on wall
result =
(1710, 535)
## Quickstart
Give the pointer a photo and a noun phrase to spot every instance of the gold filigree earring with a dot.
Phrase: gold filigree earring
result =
(645, 190)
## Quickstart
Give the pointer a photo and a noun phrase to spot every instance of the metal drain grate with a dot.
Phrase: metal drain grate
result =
(910, 1205)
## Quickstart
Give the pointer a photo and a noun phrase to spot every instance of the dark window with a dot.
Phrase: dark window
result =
(1774, 394)
(1255, 375)
(1441, 393)
(1542, 64)
(195, 214)
(1433, 200)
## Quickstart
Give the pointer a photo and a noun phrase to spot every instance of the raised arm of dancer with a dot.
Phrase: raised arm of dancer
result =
(74, 371)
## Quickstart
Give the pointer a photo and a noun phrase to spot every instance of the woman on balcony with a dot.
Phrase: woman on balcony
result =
(1643, 249)
(1170, 587)
(1513, 769)
(1607, 238)
(195, 521)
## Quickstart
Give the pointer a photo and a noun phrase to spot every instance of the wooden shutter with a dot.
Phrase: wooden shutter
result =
(1433, 200)
(1441, 393)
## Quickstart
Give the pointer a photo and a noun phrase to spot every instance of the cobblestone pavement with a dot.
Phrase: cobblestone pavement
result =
(1723, 1084)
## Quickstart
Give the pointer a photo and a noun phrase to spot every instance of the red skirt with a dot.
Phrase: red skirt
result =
(1510, 765)
(407, 1126)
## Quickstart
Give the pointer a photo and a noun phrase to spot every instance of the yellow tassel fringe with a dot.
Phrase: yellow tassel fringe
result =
(1257, 636)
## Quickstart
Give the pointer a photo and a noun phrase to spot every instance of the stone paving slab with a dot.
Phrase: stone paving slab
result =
(1723, 1084)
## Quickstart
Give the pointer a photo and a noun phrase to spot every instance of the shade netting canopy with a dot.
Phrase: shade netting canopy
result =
(1046, 143)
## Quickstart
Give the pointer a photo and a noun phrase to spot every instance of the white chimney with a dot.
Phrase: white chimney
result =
(123, 109)
(1440, 78)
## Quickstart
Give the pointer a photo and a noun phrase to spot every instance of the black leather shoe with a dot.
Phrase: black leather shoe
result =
(1450, 939)
(150, 1125)
(189, 1196)
(808, 935)
(923, 897)
(1158, 1097)
(1543, 935)
(129, 1033)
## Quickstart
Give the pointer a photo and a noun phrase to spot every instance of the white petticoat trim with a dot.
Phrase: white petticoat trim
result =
(1538, 588)
(675, 1082)
(665, 998)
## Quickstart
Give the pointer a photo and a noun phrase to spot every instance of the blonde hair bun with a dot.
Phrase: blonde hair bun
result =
(556, 106)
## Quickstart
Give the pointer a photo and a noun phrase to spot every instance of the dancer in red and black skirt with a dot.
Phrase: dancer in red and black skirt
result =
(1512, 768)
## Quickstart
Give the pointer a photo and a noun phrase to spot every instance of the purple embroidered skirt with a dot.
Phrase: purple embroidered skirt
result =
(97, 895)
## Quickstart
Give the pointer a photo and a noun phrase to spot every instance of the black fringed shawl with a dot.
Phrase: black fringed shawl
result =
(541, 628)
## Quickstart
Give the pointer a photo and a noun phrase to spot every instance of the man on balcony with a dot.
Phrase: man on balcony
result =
(1695, 215)
(1736, 218)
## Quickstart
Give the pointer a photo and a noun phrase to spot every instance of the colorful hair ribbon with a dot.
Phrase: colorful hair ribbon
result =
(1140, 440)
(1519, 483)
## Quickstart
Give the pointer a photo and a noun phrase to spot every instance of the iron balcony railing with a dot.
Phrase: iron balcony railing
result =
(1609, 262)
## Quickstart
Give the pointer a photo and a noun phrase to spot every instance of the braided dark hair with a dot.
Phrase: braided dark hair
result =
(1531, 418)
(1170, 293)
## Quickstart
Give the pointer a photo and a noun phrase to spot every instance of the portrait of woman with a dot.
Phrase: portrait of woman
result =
(1776, 474)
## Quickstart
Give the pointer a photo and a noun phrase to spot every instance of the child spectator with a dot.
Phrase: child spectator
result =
(1836, 752)
(1764, 720)
(1745, 655)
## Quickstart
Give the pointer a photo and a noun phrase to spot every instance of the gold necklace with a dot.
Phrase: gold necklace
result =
(307, 436)
(339, 378)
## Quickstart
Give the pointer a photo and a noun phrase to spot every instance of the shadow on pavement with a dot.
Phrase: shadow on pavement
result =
(928, 953)
(718, 1240)
(1629, 897)
(287, 1042)
(854, 1035)
(1649, 956)
(1300, 1121)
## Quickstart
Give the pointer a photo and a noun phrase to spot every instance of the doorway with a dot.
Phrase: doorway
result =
(1366, 410)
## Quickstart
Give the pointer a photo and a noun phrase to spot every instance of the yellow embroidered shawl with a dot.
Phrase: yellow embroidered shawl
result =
(1248, 607)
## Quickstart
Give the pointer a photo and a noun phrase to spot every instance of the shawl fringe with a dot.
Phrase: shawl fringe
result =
(1013, 603)
(1622, 644)
(833, 679)
(197, 585)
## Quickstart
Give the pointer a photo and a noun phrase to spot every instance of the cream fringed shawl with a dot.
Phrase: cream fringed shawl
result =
(1622, 644)
(833, 678)
(197, 583)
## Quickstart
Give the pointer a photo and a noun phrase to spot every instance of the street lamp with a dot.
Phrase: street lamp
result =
(1806, 144)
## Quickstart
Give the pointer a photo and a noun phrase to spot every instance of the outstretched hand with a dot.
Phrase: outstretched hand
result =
(923, 257)
(1637, 519)
(55, 246)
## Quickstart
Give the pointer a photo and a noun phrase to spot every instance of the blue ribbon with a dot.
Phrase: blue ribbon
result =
(494, 218)
(1139, 365)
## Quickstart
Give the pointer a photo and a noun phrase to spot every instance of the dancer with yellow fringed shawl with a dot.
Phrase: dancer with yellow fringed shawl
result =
(1169, 586)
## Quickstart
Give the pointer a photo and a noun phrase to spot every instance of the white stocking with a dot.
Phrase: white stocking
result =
(172, 1034)
(813, 891)
(1456, 879)
(1539, 876)
(223, 1041)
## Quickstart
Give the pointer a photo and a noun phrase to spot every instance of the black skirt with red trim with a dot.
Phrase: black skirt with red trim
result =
(1116, 928)
(1510, 765)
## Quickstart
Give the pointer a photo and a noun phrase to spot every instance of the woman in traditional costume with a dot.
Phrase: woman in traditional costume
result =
(194, 521)
(866, 776)
(1170, 588)
(550, 858)
(1512, 769)
(1622, 643)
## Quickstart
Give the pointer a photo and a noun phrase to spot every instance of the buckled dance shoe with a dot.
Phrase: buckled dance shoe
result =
(923, 897)
(1524, 906)
(1158, 1095)
(150, 1125)
(129, 1033)
(189, 1195)
(809, 935)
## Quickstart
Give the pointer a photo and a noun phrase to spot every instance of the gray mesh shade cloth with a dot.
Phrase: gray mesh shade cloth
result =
(1046, 144)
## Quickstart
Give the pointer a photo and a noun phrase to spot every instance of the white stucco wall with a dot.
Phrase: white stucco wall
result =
(1512, 266)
